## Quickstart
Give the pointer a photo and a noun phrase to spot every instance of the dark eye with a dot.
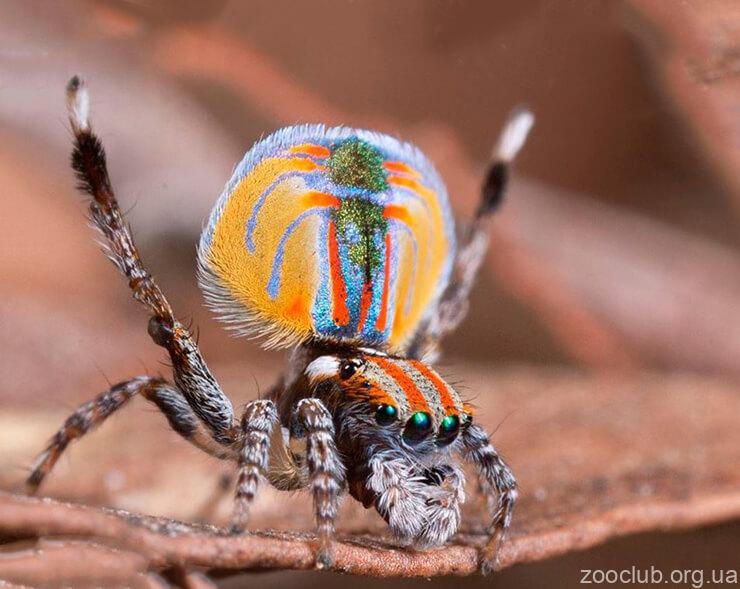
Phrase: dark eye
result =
(348, 368)
(418, 427)
(386, 414)
(448, 430)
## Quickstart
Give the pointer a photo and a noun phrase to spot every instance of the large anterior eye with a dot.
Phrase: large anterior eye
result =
(386, 414)
(418, 427)
(448, 430)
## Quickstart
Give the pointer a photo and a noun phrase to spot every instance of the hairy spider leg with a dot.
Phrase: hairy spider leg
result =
(326, 476)
(213, 429)
(92, 414)
(258, 420)
(194, 405)
(498, 484)
(453, 305)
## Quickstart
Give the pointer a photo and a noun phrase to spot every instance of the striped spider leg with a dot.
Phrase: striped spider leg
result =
(453, 305)
(193, 403)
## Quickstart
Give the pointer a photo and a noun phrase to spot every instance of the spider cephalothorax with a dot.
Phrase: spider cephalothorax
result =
(341, 244)
(398, 424)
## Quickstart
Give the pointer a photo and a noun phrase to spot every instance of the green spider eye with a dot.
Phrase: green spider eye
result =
(418, 427)
(386, 414)
(450, 423)
(448, 430)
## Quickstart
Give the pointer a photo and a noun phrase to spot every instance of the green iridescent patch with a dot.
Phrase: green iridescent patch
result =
(356, 163)
(368, 218)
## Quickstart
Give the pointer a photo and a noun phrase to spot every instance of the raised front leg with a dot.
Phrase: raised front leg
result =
(191, 375)
(473, 243)
(326, 474)
(498, 484)
(195, 406)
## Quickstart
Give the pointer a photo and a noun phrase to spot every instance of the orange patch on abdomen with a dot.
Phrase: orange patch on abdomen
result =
(319, 199)
(311, 149)
(401, 167)
(399, 213)
(300, 164)
(297, 309)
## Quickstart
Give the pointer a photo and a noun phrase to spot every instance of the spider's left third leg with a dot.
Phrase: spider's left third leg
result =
(499, 485)
(326, 475)
(453, 306)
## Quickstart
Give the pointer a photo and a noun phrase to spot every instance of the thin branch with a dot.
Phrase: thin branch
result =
(669, 459)
(137, 541)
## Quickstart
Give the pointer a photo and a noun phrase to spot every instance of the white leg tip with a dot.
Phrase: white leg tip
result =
(514, 135)
(78, 105)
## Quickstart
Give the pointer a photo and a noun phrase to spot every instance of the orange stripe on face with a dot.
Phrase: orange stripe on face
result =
(319, 199)
(318, 151)
(374, 394)
(414, 396)
(400, 167)
(340, 313)
(444, 393)
(382, 321)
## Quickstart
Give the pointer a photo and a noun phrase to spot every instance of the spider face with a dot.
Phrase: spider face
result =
(398, 423)
(404, 401)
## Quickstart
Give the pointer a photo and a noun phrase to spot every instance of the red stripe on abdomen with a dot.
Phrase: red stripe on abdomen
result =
(340, 313)
(365, 300)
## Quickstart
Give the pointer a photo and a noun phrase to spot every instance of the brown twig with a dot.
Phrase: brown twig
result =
(664, 460)
(110, 545)
(116, 543)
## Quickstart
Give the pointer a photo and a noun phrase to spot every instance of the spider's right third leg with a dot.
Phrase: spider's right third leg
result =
(453, 306)
(498, 485)
(326, 475)
(258, 420)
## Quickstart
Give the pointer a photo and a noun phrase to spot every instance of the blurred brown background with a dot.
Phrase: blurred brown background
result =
(616, 253)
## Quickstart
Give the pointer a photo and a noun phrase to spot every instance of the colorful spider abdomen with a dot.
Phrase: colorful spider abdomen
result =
(334, 233)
